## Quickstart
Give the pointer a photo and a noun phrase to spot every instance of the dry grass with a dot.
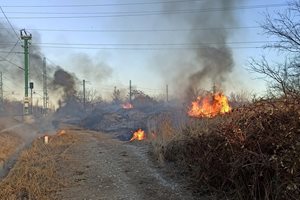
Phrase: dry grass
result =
(35, 175)
(8, 143)
(251, 153)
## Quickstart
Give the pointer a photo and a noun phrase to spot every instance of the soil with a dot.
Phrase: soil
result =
(98, 166)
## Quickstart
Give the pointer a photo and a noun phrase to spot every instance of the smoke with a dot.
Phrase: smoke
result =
(65, 81)
(93, 69)
(211, 61)
(62, 84)
(12, 58)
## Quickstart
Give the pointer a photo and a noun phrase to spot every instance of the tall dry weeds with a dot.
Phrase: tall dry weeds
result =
(251, 153)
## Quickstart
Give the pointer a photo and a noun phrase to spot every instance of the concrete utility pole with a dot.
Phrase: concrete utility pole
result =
(1, 89)
(45, 90)
(83, 82)
(130, 92)
(26, 37)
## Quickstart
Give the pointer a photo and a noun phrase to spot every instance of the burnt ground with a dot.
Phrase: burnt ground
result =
(100, 167)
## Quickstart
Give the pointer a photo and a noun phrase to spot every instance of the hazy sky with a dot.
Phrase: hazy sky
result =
(109, 42)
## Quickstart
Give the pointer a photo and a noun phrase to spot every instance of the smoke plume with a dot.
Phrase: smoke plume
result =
(211, 61)
(65, 81)
(93, 69)
(62, 84)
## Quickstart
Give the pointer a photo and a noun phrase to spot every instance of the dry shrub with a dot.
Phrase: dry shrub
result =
(35, 174)
(251, 153)
(161, 132)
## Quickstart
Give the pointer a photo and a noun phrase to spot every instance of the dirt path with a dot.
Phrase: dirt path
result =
(99, 167)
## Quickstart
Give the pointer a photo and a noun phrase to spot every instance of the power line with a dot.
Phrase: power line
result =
(130, 48)
(147, 44)
(142, 48)
(143, 30)
(145, 13)
(9, 23)
(14, 64)
(18, 39)
(100, 5)
(154, 11)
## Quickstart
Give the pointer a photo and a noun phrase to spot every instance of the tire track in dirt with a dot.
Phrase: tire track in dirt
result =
(99, 167)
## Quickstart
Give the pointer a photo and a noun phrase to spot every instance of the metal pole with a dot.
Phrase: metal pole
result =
(1, 88)
(130, 93)
(26, 37)
(26, 75)
(31, 101)
(167, 93)
(45, 92)
(84, 94)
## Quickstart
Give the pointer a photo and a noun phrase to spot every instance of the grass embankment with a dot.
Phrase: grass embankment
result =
(9, 141)
(8, 145)
(35, 175)
(251, 153)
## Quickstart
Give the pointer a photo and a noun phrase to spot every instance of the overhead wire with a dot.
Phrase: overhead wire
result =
(107, 4)
(142, 30)
(12, 28)
(10, 24)
(14, 64)
(145, 13)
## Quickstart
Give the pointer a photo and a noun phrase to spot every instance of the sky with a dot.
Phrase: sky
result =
(109, 42)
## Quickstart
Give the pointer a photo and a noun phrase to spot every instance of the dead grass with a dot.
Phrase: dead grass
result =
(35, 175)
(251, 153)
(8, 143)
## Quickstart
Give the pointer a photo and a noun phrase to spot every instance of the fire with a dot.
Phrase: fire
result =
(209, 106)
(61, 132)
(127, 105)
(138, 135)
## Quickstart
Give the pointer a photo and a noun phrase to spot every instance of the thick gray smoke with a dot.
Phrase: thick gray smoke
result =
(212, 58)
(13, 58)
(62, 84)
(65, 81)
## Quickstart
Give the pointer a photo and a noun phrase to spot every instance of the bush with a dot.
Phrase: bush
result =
(251, 153)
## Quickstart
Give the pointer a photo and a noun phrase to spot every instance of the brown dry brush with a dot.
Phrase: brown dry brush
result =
(35, 175)
(251, 153)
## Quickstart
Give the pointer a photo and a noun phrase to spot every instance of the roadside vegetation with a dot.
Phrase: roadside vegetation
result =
(253, 152)
(35, 175)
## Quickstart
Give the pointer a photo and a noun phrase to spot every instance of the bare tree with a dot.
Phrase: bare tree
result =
(283, 78)
(116, 96)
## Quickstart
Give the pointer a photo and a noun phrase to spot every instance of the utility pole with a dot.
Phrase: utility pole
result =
(214, 88)
(167, 93)
(31, 101)
(130, 92)
(1, 89)
(45, 92)
(83, 94)
(26, 37)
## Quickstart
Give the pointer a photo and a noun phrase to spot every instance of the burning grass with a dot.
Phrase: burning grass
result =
(35, 173)
(209, 105)
(138, 135)
(251, 153)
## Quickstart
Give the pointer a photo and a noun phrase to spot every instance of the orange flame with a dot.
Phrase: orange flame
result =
(61, 132)
(209, 106)
(138, 135)
(127, 105)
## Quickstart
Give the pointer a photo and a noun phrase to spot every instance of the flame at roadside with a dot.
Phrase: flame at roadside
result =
(138, 135)
(127, 106)
(209, 106)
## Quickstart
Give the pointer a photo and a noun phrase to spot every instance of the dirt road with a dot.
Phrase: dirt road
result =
(100, 167)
